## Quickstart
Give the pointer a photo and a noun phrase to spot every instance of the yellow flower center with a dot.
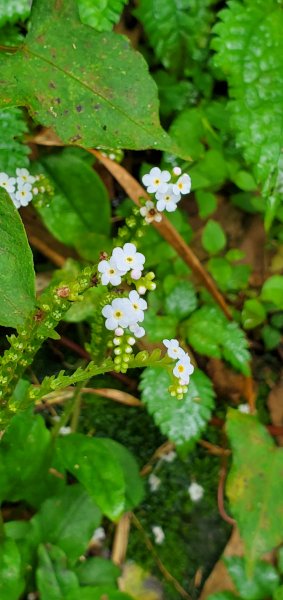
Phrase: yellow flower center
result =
(181, 368)
(157, 181)
(118, 314)
(129, 259)
(111, 271)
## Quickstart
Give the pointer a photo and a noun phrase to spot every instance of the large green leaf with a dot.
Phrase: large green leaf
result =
(211, 334)
(11, 579)
(68, 520)
(55, 581)
(261, 585)
(26, 479)
(13, 153)
(250, 54)
(91, 87)
(255, 484)
(100, 14)
(80, 206)
(182, 421)
(17, 280)
(106, 470)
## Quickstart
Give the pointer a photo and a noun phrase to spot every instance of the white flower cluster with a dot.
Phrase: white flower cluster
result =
(167, 193)
(122, 261)
(125, 313)
(19, 188)
(183, 368)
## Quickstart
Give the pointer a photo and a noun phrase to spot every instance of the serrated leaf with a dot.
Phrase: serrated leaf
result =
(17, 278)
(80, 205)
(178, 30)
(253, 481)
(13, 11)
(92, 88)
(182, 421)
(68, 520)
(211, 334)
(11, 578)
(13, 153)
(261, 585)
(102, 14)
(181, 300)
(250, 54)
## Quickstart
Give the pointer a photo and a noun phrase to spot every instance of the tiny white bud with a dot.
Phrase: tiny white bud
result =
(177, 171)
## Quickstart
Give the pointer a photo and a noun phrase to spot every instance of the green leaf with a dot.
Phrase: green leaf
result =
(106, 470)
(272, 290)
(257, 104)
(182, 421)
(271, 337)
(207, 203)
(158, 326)
(223, 596)
(253, 314)
(97, 571)
(213, 237)
(29, 479)
(228, 277)
(261, 585)
(68, 520)
(178, 30)
(278, 594)
(102, 14)
(17, 279)
(181, 300)
(81, 205)
(13, 152)
(11, 580)
(92, 88)
(13, 11)
(101, 592)
(245, 181)
(211, 334)
(54, 580)
(254, 487)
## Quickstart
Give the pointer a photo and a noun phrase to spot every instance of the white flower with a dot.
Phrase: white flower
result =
(158, 533)
(150, 213)
(168, 200)
(195, 492)
(65, 430)
(138, 305)
(170, 457)
(99, 535)
(128, 259)
(138, 331)
(177, 171)
(8, 183)
(23, 196)
(183, 185)
(173, 349)
(183, 369)
(154, 482)
(109, 272)
(24, 176)
(156, 180)
(244, 408)
(118, 313)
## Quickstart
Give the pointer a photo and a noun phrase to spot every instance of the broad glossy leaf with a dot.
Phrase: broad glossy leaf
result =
(17, 279)
(27, 480)
(255, 485)
(261, 585)
(98, 468)
(250, 54)
(11, 579)
(182, 421)
(54, 580)
(92, 88)
(68, 520)
(101, 14)
(81, 204)
(13, 152)
(97, 571)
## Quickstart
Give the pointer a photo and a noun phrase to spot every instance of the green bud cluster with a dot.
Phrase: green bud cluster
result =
(42, 191)
(38, 327)
(98, 341)
(133, 230)
(123, 349)
(146, 283)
